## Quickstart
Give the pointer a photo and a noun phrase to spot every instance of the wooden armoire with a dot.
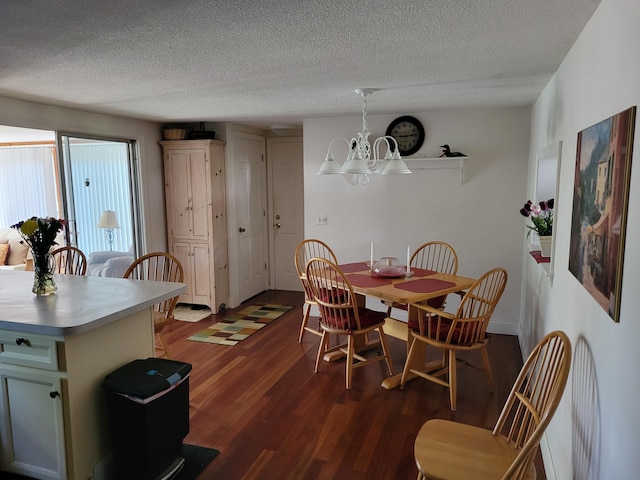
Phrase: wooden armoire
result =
(194, 182)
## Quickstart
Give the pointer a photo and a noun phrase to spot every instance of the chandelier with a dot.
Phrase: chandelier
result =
(362, 158)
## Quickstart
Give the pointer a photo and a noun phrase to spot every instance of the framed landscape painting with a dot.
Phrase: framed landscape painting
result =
(600, 201)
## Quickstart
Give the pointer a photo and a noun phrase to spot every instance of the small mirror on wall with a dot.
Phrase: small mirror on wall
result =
(547, 187)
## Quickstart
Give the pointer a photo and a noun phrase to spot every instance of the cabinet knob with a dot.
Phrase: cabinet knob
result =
(20, 341)
(277, 225)
(241, 230)
(54, 394)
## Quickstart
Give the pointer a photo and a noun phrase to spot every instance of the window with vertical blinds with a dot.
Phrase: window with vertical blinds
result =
(100, 180)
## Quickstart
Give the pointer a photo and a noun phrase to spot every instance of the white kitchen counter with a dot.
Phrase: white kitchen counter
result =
(79, 305)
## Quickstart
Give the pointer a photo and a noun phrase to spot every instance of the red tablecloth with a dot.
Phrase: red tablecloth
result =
(424, 285)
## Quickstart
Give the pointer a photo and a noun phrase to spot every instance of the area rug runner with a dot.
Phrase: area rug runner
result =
(240, 325)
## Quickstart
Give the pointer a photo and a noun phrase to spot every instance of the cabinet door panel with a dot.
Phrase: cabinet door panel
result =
(200, 194)
(182, 252)
(202, 286)
(178, 186)
(33, 437)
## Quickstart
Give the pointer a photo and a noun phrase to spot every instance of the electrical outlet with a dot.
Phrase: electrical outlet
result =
(321, 219)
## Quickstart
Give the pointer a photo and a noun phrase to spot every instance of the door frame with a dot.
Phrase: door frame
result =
(64, 176)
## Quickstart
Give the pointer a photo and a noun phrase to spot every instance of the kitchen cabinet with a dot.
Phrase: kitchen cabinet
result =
(54, 354)
(195, 194)
(31, 407)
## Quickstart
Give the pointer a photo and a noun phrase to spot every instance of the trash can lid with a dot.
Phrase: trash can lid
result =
(144, 378)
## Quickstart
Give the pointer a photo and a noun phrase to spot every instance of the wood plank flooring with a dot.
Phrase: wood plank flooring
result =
(271, 417)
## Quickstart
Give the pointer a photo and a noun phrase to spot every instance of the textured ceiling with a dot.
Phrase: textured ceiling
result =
(262, 62)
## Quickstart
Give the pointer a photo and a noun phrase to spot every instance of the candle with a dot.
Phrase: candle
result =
(371, 260)
(408, 258)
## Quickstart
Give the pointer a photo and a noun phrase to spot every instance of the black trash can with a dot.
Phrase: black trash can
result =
(148, 413)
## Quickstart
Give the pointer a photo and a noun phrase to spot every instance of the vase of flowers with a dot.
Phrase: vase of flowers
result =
(541, 215)
(40, 234)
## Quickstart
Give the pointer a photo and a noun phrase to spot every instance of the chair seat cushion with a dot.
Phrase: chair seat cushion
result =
(367, 317)
(435, 333)
(370, 317)
(441, 334)
(333, 295)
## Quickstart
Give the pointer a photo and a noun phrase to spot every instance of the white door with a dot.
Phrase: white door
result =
(250, 205)
(286, 212)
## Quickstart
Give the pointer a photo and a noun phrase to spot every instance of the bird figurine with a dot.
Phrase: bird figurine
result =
(446, 152)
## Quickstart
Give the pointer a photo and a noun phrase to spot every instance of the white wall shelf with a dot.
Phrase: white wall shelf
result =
(437, 163)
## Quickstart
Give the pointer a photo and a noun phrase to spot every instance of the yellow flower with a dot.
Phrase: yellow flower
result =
(29, 227)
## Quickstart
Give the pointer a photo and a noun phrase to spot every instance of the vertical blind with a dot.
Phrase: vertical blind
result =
(27, 183)
(28, 188)
(106, 166)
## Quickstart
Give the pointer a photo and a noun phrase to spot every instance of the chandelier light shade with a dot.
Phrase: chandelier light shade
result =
(362, 157)
(109, 221)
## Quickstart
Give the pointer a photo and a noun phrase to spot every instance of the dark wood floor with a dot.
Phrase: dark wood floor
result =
(272, 417)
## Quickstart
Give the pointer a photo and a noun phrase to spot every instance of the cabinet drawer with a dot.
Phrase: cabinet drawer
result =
(28, 350)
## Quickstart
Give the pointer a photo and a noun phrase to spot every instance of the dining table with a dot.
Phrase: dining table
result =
(417, 285)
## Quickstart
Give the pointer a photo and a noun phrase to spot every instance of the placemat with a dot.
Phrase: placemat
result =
(360, 280)
(421, 272)
(424, 285)
(354, 267)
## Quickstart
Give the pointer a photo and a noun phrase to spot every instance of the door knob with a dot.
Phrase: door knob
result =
(241, 230)
(277, 225)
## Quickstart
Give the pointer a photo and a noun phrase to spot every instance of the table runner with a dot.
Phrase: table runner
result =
(421, 272)
(354, 267)
(424, 285)
(367, 280)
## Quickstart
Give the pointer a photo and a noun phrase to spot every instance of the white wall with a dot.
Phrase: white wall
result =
(479, 219)
(596, 431)
(147, 134)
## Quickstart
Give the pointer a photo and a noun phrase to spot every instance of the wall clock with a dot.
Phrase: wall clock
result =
(408, 132)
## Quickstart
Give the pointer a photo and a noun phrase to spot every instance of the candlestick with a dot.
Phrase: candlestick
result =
(371, 260)
(408, 258)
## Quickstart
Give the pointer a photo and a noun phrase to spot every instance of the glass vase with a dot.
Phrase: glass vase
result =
(43, 268)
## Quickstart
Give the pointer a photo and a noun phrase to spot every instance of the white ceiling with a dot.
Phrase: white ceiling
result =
(262, 62)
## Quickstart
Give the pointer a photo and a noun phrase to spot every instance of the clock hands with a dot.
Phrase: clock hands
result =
(410, 135)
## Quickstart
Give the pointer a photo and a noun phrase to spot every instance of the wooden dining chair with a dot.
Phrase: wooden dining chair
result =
(435, 256)
(305, 251)
(159, 267)
(449, 450)
(460, 332)
(340, 314)
(69, 260)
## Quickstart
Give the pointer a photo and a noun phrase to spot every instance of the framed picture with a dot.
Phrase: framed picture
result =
(600, 201)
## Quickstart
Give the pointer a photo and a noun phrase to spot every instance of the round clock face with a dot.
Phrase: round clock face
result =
(408, 132)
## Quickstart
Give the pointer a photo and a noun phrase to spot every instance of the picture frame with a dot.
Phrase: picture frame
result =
(600, 202)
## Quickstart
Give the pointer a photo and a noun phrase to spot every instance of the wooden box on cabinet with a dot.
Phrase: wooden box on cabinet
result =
(197, 218)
